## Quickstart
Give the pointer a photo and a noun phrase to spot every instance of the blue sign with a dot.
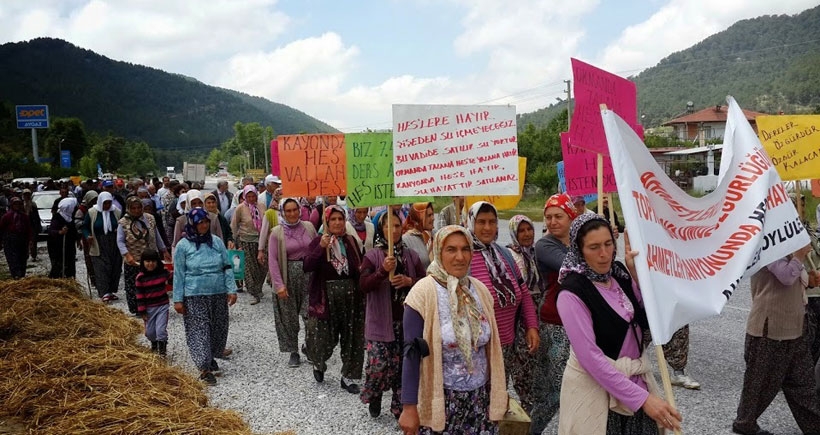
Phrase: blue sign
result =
(65, 159)
(32, 116)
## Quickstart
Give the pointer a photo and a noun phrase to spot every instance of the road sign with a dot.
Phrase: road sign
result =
(65, 159)
(34, 116)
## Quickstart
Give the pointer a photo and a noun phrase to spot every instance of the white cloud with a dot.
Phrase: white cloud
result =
(682, 23)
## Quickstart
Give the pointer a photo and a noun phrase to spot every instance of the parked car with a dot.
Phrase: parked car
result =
(44, 201)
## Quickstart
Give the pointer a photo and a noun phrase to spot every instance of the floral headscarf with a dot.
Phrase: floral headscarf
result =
(256, 217)
(338, 255)
(575, 262)
(499, 275)
(351, 217)
(106, 214)
(195, 216)
(533, 278)
(282, 219)
(562, 201)
(463, 306)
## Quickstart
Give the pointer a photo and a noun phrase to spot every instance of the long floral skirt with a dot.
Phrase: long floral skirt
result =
(286, 311)
(383, 370)
(345, 326)
(467, 413)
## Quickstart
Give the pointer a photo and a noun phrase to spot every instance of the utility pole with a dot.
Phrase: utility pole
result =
(569, 95)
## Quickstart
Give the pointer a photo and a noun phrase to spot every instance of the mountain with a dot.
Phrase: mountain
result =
(169, 111)
(769, 64)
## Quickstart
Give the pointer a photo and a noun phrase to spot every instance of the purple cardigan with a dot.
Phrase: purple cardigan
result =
(374, 283)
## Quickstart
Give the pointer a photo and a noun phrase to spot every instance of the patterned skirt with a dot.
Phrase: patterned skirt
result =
(383, 370)
(467, 413)
(638, 424)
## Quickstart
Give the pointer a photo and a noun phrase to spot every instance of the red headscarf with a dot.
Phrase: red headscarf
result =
(562, 201)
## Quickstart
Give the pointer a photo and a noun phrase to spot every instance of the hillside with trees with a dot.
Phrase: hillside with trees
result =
(167, 111)
(769, 64)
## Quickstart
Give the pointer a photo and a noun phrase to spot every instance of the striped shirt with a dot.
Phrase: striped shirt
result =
(505, 317)
(151, 290)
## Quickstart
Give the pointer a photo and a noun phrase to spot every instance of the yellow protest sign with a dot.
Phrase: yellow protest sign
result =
(505, 202)
(793, 143)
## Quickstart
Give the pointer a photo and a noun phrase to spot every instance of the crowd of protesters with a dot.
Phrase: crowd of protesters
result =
(425, 305)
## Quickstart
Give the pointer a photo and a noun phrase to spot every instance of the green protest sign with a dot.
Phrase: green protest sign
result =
(370, 171)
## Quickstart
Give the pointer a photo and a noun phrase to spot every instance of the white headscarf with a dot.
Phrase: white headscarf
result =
(182, 198)
(106, 214)
(192, 195)
(66, 208)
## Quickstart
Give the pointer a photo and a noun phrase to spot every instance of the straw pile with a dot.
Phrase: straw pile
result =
(71, 365)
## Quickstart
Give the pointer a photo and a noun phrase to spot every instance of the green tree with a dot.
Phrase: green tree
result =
(214, 159)
(139, 159)
(88, 166)
(65, 134)
(109, 151)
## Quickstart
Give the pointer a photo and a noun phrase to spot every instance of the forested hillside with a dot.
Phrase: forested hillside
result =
(168, 111)
(769, 64)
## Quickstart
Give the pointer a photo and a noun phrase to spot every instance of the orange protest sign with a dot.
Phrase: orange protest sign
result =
(313, 164)
(815, 188)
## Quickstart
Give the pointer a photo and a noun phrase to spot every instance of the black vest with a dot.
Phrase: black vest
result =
(610, 329)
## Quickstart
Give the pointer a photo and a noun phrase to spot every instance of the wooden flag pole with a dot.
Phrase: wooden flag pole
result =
(389, 238)
(324, 225)
(611, 211)
(600, 167)
(667, 382)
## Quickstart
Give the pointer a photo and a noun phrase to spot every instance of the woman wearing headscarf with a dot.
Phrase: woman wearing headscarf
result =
(358, 225)
(385, 310)
(100, 230)
(245, 225)
(608, 385)
(522, 248)
(15, 232)
(335, 305)
(212, 207)
(495, 267)
(418, 230)
(453, 369)
(89, 199)
(310, 211)
(63, 240)
(288, 243)
(269, 221)
(551, 358)
(203, 290)
(193, 199)
(136, 232)
(169, 208)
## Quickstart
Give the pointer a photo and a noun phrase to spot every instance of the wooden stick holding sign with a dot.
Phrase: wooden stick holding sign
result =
(389, 238)
(667, 382)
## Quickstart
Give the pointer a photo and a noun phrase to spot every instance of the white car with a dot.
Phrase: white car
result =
(45, 200)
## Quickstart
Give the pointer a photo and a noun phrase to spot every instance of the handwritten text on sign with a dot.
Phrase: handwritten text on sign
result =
(793, 143)
(581, 170)
(593, 87)
(455, 150)
(313, 164)
(370, 171)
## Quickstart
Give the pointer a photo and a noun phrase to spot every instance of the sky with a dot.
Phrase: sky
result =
(347, 62)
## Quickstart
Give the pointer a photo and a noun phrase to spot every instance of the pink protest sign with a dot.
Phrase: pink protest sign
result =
(580, 170)
(593, 87)
(274, 157)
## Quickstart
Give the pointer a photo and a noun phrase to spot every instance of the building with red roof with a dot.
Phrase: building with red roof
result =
(712, 119)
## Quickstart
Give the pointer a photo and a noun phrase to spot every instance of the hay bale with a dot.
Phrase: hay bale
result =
(73, 366)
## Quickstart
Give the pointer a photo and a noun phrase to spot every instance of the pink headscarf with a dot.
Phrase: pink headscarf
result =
(255, 215)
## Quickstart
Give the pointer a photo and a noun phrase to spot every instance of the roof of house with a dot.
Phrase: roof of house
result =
(711, 114)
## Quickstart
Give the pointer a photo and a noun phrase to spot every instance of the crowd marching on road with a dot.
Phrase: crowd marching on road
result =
(448, 311)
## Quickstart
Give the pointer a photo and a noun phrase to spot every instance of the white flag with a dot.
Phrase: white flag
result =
(694, 251)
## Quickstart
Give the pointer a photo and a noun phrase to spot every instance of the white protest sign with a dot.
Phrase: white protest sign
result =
(694, 251)
(443, 150)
